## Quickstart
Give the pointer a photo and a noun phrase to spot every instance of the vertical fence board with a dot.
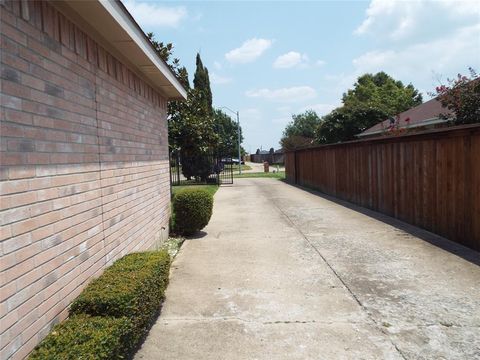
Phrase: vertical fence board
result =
(474, 191)
(431, 180)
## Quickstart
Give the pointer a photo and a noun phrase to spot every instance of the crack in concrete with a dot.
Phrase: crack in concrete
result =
(363, 307)
(276, 322)
(288, 322)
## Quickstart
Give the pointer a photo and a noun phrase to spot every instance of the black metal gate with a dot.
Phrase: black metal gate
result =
(200, 170)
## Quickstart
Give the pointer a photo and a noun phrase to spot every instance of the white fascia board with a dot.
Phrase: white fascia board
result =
(118, 13)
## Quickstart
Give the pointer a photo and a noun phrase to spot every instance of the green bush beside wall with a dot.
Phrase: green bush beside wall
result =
(192, 210)
(125, 299)
(85, 337)
(132, 287)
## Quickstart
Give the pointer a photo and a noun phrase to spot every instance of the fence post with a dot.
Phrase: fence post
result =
(295, 166)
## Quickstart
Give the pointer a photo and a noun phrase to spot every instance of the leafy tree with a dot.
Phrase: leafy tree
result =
(462, 97)
(296, 142)
(300, 132)
(381, 92)
(227, 131)
(201, 81)
(343, 123)
(373, 99)
(165, 51)
(191, 127)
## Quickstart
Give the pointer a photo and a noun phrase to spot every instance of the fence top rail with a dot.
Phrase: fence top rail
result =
(428, 134)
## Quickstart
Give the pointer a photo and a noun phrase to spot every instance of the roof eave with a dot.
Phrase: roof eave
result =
(121, 34)
(426, 122)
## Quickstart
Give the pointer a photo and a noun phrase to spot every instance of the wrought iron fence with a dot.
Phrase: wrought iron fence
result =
(200, 170)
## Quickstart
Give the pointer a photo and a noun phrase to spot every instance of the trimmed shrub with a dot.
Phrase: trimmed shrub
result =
(86, 337)
(132, 287)
(192, 209)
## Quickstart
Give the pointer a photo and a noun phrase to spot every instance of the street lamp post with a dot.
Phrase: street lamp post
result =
(238, 134)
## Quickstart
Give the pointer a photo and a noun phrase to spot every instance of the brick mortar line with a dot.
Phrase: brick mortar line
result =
(46, 299)
(45, 213)
(52, 247)
(140, 105)
(68, 185)
(93, 65)
(84, 107)
(50, 187)
(102, 210)
(10, 67)
(50, 272)
(116, 232)
(22, 125)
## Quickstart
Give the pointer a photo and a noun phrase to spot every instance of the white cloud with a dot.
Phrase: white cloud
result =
(249, 51)
(295, 59)
(219, 80)
(217, 65)
(445, 55)
(291, 94)
(290, 59)
(151, 14)
(398, 20)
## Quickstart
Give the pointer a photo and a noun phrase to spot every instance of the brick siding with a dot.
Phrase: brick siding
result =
(84, 167)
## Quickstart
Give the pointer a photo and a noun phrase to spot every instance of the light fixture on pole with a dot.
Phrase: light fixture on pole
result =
(238, 134)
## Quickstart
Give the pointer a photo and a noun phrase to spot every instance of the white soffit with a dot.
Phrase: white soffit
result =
(110, 19)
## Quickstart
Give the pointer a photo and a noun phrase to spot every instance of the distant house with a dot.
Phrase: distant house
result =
(275, 157)
(421, 117)
(84, 155)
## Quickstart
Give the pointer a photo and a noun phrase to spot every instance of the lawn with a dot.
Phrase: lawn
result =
(212, 189)
(276, 175)
(244, 167)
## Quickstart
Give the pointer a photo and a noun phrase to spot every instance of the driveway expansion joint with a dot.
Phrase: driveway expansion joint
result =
(369, 315)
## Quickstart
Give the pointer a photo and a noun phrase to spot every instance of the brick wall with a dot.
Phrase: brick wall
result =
(84, 168)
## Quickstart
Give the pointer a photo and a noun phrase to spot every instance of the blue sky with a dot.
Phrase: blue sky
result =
(270, 60)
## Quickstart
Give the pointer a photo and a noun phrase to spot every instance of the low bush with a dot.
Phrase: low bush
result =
(192, 210)
(85, 337)
(132, 287)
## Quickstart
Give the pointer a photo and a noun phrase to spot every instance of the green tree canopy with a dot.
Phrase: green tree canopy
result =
(300, 132)
(191, 125)
(227, 131)
(165, 51)
(381, 92)
(343, 123)
(201, 82)
(373, 99)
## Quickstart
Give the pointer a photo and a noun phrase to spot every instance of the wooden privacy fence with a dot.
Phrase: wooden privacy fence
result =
(431, 179)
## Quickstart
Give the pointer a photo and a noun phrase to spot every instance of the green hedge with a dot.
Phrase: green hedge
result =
(113, 313)
(85, 337)
(132, 287)
(192, 210)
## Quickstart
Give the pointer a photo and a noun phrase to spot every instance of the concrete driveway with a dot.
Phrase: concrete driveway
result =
(282, 273)
(258, 167)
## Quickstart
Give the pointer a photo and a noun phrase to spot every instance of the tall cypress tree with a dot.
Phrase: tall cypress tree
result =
(201, 83)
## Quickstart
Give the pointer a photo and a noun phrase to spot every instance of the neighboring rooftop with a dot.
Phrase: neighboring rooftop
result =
(425, 114)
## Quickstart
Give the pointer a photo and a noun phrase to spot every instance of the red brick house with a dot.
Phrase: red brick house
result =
(84, 155)
(421, 117)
